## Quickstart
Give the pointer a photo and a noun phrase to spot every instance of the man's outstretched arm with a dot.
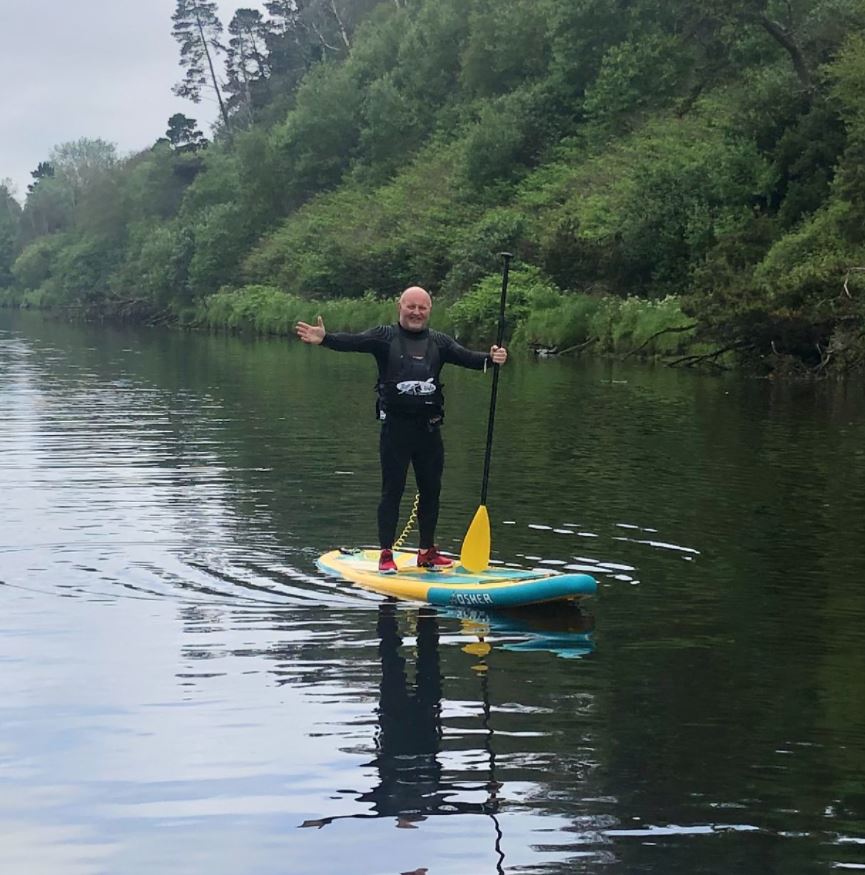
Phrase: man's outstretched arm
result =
(374, 340)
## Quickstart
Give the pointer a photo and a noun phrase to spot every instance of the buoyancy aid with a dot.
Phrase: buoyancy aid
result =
(410, 385)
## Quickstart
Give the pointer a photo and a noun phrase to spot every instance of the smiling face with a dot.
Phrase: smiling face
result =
(414, 309)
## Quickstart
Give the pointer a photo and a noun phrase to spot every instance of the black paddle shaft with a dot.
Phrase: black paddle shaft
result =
(506, 261)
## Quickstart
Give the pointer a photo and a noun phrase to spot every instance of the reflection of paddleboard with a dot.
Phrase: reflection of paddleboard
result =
(554, 627)
(497, 587)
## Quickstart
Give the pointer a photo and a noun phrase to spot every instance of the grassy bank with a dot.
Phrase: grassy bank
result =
(540, 318)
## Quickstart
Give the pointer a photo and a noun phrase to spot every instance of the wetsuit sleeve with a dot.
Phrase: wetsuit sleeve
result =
(453, 353)
(374, 340)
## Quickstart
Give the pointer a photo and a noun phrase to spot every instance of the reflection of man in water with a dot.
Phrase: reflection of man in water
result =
(409, 737)
(409, 718)
(408, 741)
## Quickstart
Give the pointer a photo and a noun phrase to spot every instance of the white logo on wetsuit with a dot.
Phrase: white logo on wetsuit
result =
(416, 387)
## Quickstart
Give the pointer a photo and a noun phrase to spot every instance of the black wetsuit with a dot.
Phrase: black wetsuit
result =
(409, 435)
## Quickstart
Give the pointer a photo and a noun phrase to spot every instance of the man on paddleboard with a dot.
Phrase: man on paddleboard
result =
(410, 407)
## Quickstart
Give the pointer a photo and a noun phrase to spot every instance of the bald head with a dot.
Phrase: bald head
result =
(414, 308)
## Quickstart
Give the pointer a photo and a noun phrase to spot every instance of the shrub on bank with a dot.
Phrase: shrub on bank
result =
(540, 315)
(655, 327)
(267, 310)
(475, 316)
(563, 326)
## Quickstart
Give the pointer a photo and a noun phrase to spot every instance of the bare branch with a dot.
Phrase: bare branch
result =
(785, 39)
(690, 360)
(846, 279)
(323, 41)
(649, 339)
(550, 351)
(340, 25)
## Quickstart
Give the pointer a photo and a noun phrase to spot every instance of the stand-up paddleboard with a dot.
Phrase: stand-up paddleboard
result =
(497, 587)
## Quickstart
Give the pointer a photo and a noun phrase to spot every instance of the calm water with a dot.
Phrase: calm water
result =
(182, 692)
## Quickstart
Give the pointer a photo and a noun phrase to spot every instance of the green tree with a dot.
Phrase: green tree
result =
(49, 208)
(198, 30)
(507, 46)
(183, 134)
(36, 265)
(247, 65)
(389, 129)
(318, 139)
(153, 182)
(80, 164)
(641, 216)
(428, 60)
(846, 76)
(580, 34)
(508, 137)
(618, 97)
(10, 226)
(221, 236)
(156, 267)
(333, 22)
(806, 31)
(43, 170)
(83, 270)
(290, 50)
(299, 33)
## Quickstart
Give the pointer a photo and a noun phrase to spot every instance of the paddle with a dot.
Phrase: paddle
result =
(475, 553)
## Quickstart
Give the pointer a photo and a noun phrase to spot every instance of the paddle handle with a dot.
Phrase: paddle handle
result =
(506, 261)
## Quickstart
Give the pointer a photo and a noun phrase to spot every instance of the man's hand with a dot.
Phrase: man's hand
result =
(311, 333)
(498, 354)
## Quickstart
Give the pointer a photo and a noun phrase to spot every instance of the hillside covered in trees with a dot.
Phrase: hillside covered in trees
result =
(685, 177)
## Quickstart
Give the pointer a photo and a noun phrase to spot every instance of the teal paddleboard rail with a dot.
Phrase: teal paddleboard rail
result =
(525, 592)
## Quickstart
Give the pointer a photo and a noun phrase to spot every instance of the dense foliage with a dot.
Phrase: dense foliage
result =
(667, 176)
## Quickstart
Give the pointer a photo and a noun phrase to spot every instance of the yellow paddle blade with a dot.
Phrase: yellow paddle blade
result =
(479, 648)
(475, 554)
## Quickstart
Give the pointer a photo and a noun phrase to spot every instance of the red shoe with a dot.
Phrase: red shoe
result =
(386, 565)
(433, 560)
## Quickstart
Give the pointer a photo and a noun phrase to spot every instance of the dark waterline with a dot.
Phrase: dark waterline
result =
(183, 691)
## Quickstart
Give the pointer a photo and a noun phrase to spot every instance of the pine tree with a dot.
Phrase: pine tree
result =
(44, 169)
(247, 59)
(183, 134)
(198, 30)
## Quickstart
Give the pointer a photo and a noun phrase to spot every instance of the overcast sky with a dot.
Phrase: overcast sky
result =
(89, 68)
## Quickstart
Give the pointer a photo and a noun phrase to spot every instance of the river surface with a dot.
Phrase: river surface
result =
(183, 692)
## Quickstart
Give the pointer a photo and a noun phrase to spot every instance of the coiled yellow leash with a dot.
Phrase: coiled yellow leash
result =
(408, 526)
